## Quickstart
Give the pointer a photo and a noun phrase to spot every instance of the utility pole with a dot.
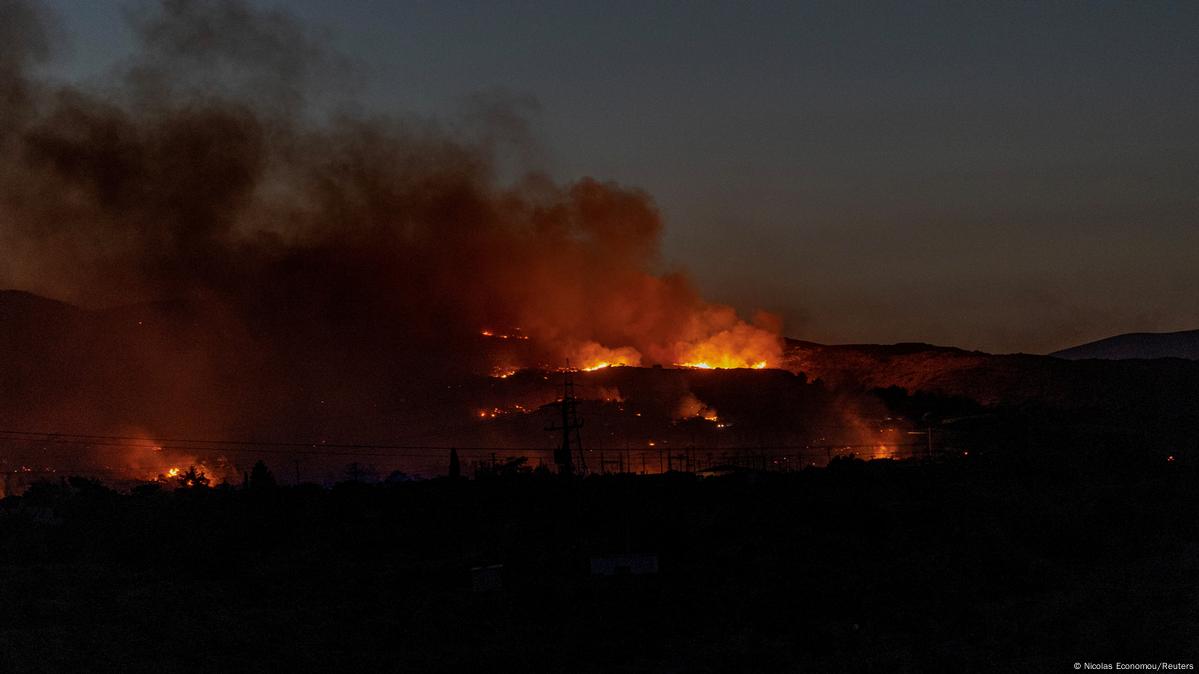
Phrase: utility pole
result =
(569, 425)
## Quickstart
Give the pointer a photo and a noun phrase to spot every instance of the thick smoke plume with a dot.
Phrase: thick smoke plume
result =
(203, 172)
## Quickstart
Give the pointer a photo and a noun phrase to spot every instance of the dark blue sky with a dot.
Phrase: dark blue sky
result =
(1005, 176)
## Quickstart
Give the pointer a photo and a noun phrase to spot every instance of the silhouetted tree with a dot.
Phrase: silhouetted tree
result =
(261, 477)
(397, 476)
(193, 478)
(45, 492)
(88, 487)
(455, 467)
(357, 472)
(146, 490)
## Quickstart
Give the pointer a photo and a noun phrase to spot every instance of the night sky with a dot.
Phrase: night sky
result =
(1002, 176)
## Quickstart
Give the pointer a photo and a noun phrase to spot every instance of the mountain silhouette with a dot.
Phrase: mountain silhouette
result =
(1146, 345)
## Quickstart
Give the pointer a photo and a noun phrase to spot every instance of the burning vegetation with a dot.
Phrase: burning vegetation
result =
(249, 265)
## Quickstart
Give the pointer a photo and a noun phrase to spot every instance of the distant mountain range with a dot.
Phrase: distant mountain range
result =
(1137, 345)
(1002, 380)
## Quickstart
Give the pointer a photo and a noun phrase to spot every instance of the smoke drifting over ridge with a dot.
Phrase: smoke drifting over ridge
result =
(204, 174)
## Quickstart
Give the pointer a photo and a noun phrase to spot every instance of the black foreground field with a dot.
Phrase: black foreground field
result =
(972, 565)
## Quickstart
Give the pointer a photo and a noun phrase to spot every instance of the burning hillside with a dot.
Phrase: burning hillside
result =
(247, 266)
(244, 266)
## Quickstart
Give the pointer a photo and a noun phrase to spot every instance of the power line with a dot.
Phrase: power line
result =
(569, 426)
(88, 440)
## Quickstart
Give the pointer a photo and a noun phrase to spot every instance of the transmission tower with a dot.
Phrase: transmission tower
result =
(569, 425)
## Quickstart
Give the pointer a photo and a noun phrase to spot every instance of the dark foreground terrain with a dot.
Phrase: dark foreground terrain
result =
(971, 564)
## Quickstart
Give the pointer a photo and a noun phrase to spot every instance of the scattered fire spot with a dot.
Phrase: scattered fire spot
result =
(515, 334)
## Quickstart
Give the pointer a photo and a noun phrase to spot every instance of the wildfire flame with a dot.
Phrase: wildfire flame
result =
(712, 338)
(515, 334)
(729, 343)
(593, 356)
(725, 363)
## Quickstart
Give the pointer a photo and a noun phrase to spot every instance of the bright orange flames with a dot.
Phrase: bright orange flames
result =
(725, 363)
(515, 334)
(706, 356)
(592, 356)
(711, 339)
(720, 341)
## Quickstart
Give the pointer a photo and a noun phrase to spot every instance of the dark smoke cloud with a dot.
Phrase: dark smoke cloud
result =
(261, 57)
(24, 40)
(205, 176)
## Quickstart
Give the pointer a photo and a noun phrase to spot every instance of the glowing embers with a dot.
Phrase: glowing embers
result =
(496, 412)
(591, 367)
(514, 333)
(506, 371)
